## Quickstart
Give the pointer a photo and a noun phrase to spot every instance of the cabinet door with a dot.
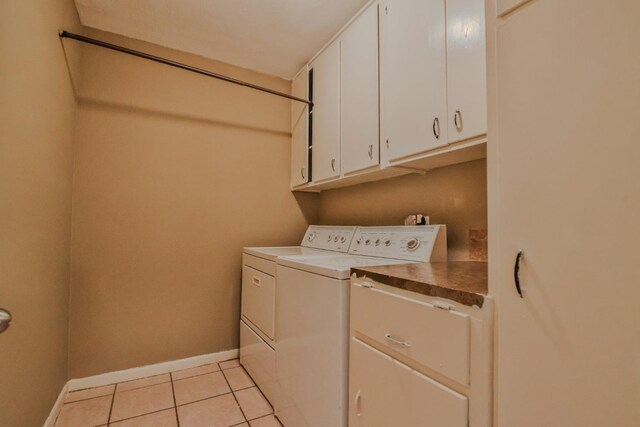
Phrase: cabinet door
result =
(466, 69)
(384, 392)
(506, 6)
(413, 77)
(300, 131)
(325, 151)
(369, 380)
(359, 93)
(567, 152)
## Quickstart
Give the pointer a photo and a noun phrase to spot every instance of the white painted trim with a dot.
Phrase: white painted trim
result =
(51, 419)
(149, 370)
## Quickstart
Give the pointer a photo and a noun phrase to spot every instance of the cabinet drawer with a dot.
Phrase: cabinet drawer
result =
(259, 360)
(258, 299)
(384, 392)
(435, 338)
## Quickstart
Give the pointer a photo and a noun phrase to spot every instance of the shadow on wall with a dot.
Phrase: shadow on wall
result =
(174, 173)
(149, 88)
(171, 115)
(454, 195)
(308, 203)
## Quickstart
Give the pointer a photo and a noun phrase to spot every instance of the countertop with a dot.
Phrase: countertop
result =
(461, 281)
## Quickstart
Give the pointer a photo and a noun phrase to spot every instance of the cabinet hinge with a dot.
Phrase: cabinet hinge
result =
(386, 10)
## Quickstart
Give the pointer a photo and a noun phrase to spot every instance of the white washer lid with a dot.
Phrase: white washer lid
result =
(273, 252)
(335, 266)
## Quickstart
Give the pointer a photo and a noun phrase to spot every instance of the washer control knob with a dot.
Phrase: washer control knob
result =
(335, 239)
(387, 242)
(377, 242)
(343, 239)
(330, 238)
(367, 242)
(359, 241)
(311, 236)
(413, 244)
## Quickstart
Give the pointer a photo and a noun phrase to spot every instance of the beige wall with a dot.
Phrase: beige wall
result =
(37, 115)
(174, 174)
(454, 195)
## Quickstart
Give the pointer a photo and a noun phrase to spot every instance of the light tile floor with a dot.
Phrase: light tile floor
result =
(214, 395)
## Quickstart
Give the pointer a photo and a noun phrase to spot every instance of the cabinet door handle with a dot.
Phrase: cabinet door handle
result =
(302, 172)
(370, 151)
(436, 128)
(516, 272)
(457, 120)
(5, 319)
(333, 164)
(256, 281)
(397, 342)
(356, 403)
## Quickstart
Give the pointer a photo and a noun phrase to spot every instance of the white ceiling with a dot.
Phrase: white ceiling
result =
(271, 36)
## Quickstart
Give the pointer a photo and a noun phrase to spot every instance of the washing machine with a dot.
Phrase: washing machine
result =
(258, 333)
(312, 300)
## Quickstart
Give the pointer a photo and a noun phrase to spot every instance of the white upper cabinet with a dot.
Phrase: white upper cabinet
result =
(466, 69)
(325, 149)
(413, 77)
(403, 84)
(359, 93)
(300, 131)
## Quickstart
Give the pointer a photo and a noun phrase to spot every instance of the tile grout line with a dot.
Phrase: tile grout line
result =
(175, 403)
(265, 416)
(217, 395)
(265, 399)
(141, 415)
(113, 398)
(151, 376)
(85, 399)
(171, 380)
(233, 394)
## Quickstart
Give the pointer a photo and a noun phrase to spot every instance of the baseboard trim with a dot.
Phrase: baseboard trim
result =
(51, 419)
(149, 370)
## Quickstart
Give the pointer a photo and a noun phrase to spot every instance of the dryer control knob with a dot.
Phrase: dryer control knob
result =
(413, 244)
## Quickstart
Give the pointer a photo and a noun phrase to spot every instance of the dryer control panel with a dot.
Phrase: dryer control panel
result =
(328, 237)
(421, 243)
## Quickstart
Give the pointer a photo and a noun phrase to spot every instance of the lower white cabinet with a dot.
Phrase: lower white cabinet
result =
(385, 392)
(417, 360)
(439, 338)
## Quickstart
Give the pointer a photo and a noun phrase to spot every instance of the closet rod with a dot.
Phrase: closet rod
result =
(139, 54)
